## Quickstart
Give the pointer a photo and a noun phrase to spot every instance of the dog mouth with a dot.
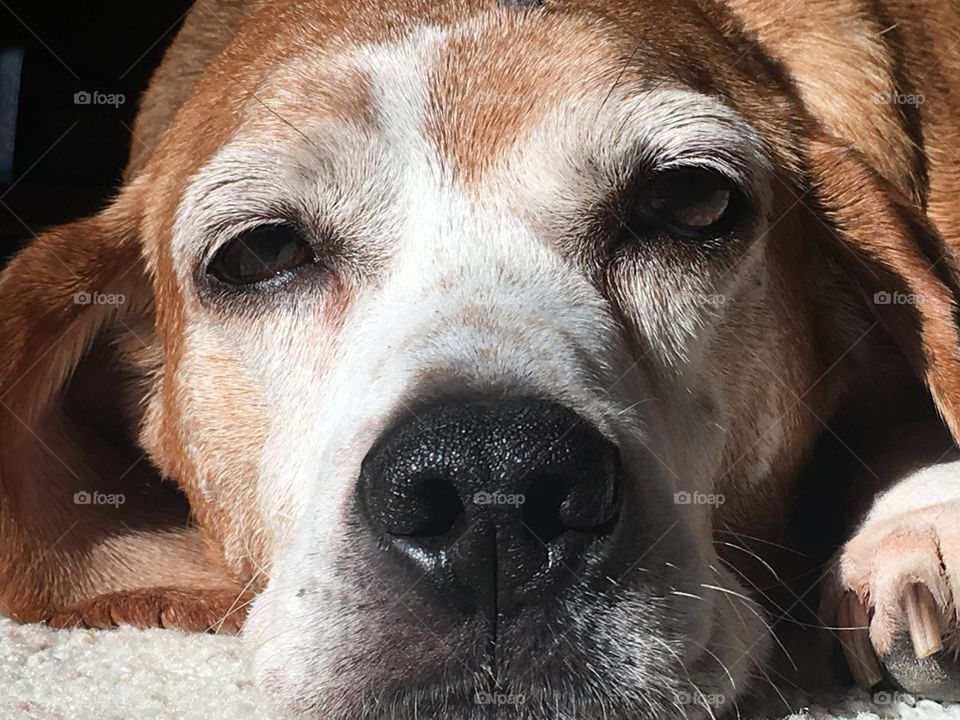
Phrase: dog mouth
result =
(556, 677)
(560, 661)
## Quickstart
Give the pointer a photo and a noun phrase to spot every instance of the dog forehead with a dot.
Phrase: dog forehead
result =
(490, 68)
(467, 90)
(495, 77)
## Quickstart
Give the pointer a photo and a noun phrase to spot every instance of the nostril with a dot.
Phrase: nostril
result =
(556, 502)
(430, 507)
(593, 505)
(542, 507)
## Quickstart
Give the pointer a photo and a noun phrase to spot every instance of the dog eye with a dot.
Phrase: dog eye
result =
(693, 202)
(260, 254)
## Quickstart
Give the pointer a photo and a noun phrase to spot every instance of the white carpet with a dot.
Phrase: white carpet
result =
(158, 674)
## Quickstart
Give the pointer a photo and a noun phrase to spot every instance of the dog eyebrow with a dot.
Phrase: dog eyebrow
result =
(665, 129)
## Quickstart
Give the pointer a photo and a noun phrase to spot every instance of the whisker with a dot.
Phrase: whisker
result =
(689, 679)
(755, 556)
(783, 615)
(630, 407)
(763, 541)
(730, 593)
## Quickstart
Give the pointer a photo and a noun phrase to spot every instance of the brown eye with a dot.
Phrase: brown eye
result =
(693, 202)
(260, 254)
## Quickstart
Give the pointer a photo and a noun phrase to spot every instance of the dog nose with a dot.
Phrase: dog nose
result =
(499, 502)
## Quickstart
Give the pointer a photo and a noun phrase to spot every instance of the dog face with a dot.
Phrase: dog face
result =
(465, 328)
(489, 224)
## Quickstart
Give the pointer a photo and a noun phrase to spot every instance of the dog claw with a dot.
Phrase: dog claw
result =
(854, 623)
(923, 620)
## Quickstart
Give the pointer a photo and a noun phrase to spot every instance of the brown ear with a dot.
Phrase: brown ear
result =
(82, 514)
(900, 264)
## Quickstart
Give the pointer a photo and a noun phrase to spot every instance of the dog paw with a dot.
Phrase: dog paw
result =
(891, 595)
(220, 611)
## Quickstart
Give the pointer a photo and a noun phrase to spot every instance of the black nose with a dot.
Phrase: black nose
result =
(499, 502)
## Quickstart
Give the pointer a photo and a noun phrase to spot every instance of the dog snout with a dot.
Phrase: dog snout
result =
(498, 502)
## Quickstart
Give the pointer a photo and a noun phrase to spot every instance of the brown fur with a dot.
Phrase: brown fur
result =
(884, 180)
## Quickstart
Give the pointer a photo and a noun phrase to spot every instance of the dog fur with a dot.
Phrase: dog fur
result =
(454, 157)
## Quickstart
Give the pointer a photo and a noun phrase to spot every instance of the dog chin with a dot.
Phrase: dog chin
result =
(551, 697)
(689, 665)
(441, 702)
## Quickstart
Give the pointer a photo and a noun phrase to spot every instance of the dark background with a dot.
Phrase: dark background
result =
(68, 158)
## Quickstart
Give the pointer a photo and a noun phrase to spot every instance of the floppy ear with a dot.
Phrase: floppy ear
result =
(900, 264)
(88, 533)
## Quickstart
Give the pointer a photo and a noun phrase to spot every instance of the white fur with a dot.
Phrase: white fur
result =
(449, 256)
(921, 489)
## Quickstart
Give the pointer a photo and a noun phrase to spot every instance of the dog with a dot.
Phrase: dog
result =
(463, 344)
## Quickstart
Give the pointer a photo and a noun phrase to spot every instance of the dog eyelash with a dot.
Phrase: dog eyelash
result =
(680, 201)
(265, 253)
(313, 256)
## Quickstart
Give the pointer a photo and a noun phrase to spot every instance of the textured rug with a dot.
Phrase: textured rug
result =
(137, 675)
